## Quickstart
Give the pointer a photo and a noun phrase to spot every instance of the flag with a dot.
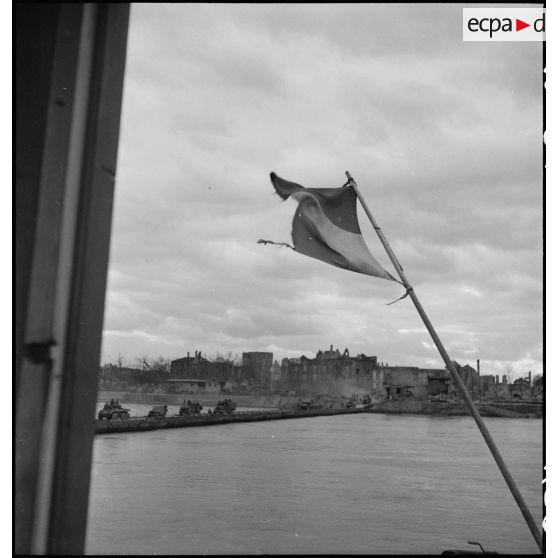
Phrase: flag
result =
(325, 227)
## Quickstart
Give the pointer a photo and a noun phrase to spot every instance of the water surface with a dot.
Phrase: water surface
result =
(364, 483)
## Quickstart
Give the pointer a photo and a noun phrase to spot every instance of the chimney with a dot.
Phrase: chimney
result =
(504, 379)
(478, 366)
(497, 378)
(188, 355)
(331, 348)
(529, 378)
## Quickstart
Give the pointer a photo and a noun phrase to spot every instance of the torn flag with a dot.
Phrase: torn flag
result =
(325, 227)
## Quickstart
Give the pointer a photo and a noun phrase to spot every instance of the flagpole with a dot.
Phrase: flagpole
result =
(455, 375)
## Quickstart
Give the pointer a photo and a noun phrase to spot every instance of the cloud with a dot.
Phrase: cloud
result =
(443, 137)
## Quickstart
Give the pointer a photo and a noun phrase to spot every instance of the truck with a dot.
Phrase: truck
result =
(225, 407)
(190, 408)
(158, 412)
(305, 404)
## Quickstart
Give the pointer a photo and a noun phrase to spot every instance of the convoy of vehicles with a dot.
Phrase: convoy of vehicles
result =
(112, 410)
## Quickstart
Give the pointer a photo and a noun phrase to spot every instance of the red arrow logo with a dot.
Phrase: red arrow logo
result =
(519, 25)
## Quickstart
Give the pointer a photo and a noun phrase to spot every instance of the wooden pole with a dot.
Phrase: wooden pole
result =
(455, 375)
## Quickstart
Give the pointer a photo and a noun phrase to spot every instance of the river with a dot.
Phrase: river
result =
(366, 483)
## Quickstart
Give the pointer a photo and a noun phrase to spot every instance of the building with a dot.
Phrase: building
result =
(275, 374)
(488, 384)
(538, 387)
(438, 382)
(332, 371)
(415, 381)
(520, 388)
(470, 377)
(405, 380)
(192, 386)
(125, 378)
(199, 368)
(256, 368)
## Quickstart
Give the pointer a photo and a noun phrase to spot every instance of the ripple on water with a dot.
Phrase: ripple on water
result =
(346, 484)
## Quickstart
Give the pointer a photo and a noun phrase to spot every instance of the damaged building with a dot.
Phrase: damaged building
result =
(405, 381)
(338, 372)
(254, 371)
(200, 368)
(256, 368)
(331, 369)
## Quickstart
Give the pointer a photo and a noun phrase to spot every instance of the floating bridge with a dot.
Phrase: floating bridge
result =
(140, 424)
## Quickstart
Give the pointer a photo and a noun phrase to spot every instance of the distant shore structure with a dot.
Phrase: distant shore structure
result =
(331, 371)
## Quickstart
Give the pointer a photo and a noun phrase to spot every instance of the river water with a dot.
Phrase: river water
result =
(366, 483)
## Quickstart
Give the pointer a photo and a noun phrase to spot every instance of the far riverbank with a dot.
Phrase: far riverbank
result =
(507, 409)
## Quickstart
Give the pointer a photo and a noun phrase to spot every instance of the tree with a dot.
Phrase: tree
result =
(160, 364)
(235, 358)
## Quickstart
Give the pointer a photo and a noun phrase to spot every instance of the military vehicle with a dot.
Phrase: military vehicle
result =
(225, 407)
(112, 410)
(158, 412)
(305, 405)
(190, 408)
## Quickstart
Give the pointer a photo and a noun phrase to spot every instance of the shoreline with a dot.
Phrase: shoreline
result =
(207, 400)
(142, 424)
(504, 409)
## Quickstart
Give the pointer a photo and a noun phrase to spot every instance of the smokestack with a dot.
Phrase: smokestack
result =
(529, 378)
(331, 348)
(188, 355)
(478, 366)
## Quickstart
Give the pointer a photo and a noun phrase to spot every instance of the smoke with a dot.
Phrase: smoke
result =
(338, 388)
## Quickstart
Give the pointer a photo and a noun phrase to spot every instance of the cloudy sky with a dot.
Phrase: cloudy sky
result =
(444, 138)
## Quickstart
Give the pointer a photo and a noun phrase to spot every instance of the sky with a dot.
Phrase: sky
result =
(443, 137)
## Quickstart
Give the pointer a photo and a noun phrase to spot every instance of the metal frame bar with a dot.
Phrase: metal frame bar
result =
(62, 330)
